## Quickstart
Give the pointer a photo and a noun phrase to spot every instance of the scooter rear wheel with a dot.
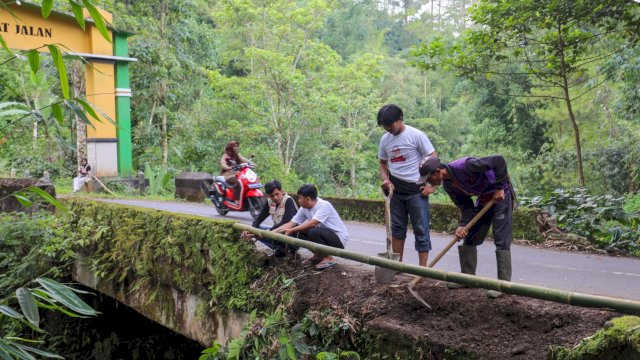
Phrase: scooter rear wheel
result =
(222, 211)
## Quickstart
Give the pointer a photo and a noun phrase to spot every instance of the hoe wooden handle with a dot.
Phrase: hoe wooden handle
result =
(456, 239)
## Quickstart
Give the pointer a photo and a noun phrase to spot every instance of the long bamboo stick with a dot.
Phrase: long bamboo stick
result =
(560, 296)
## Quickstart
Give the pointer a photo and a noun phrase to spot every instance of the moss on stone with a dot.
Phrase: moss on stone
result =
(193, 254)
(619, 340)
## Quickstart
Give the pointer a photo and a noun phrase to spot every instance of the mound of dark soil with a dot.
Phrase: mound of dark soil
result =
(463, 321)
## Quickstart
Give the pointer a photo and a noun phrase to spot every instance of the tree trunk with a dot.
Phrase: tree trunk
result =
(567, 98)
(165, 140)
(78, 88)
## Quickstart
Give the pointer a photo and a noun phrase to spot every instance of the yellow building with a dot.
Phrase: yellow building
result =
(107, 76)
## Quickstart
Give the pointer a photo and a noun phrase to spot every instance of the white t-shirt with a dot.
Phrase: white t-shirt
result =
(326, 215)
(404, 152)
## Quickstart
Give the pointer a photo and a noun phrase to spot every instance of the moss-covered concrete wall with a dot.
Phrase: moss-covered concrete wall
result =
(444, 217)
(619, 340)
(137, 246)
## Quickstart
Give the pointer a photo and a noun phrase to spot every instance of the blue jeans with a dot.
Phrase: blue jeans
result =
(275, 245)
(416, 208)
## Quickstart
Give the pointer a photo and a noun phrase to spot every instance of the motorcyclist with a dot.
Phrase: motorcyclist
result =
(230, 158)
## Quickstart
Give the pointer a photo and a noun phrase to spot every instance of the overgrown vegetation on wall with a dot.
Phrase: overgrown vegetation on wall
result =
(190, 253)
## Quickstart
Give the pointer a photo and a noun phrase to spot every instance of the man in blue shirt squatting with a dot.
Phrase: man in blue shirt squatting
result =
(317, 221)
(400, 151)
(486, 178)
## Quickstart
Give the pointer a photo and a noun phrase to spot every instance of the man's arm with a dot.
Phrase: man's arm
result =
(281, 229)
(499, 167)
(463, 202)
(495, 163)
(384, 175)
(264, 213)
(302, 227)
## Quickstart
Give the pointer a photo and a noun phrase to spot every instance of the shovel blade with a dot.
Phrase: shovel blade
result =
(384, 275)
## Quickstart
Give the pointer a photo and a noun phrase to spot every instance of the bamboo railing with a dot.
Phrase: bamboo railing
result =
(537, 292)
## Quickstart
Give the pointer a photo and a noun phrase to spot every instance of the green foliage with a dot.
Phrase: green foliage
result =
(50, 295)
(602, 219)
(31, 245)
(272, 336)
(190, 253)
(619, 340)
(160, 180)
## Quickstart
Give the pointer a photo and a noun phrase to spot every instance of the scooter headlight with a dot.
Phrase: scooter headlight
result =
(251, 176)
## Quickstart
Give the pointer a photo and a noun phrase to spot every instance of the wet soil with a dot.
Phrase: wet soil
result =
(462, 320)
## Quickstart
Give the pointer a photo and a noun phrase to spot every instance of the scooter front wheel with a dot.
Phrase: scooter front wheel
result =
(255, 206)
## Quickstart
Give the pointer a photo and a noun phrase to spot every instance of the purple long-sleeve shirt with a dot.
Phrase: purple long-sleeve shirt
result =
(479, 177)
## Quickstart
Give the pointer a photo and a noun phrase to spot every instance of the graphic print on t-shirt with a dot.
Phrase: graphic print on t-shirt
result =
(396, 155)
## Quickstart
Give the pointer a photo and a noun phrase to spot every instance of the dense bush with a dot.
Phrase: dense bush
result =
(600, 218)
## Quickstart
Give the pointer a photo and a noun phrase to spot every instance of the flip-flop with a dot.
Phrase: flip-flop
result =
(326, 265)
(311, 260)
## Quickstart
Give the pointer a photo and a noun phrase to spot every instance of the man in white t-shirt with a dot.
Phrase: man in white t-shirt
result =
(400, 151)
(317, 221)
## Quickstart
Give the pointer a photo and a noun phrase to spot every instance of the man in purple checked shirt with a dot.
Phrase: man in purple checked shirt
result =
(486, 178)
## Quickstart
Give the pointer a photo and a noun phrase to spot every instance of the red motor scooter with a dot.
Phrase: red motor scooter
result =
(251, 197)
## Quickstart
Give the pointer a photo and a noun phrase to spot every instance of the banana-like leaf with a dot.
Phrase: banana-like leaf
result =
(97, 19)
(58, 114)
(47, 5)
(16, 352)
(59, 308)
(12, 103)
(34, 60)
(46, 197)
(88, 108)
(4, 45)
(10, 312)
(79, 113)
(77, 12)
(28, 305)
(4, 355)
(22, 199)
(14, 338)
(33, 350)
(12, 112)
(66, 297)
(62, 71)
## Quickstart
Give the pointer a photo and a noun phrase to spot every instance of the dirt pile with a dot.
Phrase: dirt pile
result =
(464, 323)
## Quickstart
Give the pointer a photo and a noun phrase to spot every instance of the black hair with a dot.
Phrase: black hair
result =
(272, 186)
(389, 114)
(308, 190)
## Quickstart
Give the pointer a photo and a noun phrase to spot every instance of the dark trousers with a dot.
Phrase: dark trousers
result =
(322, 236)
(276, 245)
(500, 217)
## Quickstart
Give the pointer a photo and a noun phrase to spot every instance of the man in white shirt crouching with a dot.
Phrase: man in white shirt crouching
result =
(317, 221)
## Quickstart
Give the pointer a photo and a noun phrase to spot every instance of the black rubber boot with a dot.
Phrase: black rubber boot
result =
(468, 261)
(503, 259)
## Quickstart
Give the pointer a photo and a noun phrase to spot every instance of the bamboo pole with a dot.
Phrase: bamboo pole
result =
(560, 296)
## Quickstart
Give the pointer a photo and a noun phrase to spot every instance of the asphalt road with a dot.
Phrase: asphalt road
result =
(585, 273)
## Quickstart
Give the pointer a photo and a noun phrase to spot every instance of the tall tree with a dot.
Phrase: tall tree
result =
(279, 51)
(554, 42)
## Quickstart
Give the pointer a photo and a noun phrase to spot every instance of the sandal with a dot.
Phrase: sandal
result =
(312, 260)
(325, 265)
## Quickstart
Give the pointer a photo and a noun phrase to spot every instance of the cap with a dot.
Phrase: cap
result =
(428, 164)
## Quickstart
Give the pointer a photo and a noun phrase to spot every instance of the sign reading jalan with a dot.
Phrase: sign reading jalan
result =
(25, 30)
(106, 76)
